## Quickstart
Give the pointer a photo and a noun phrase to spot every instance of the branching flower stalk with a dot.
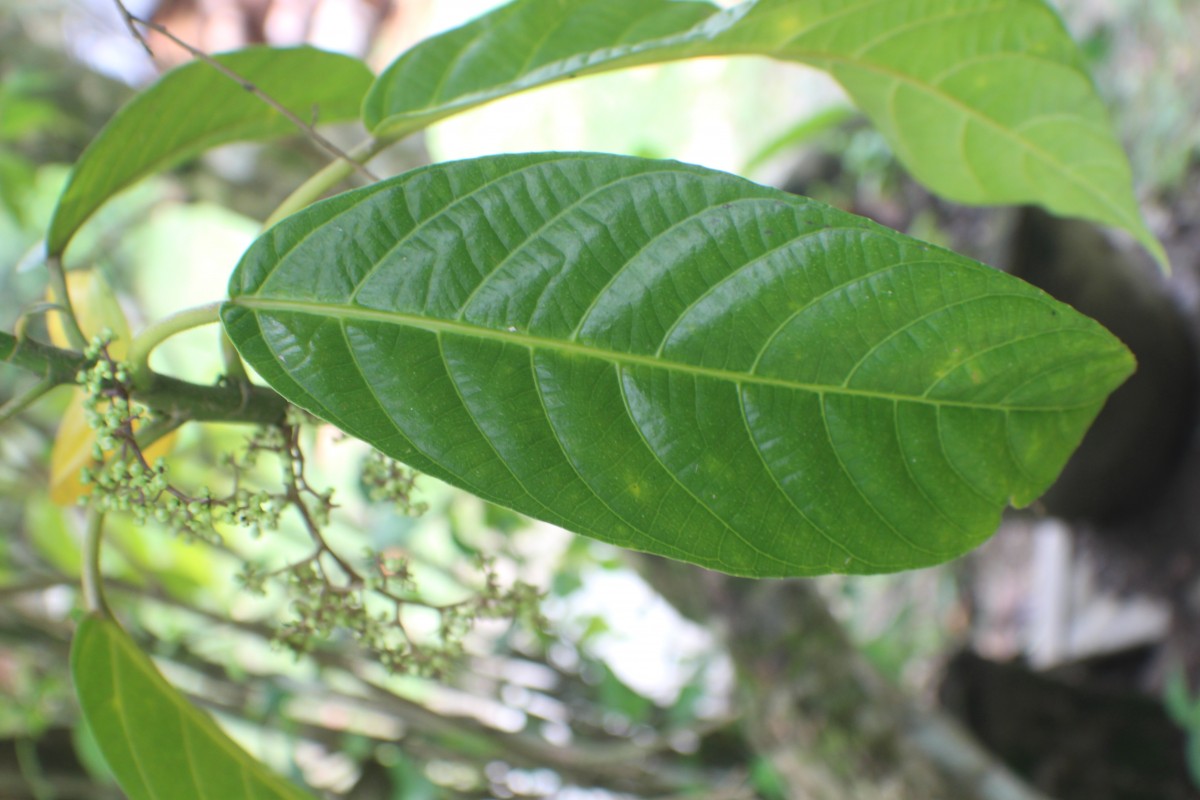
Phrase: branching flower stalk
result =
(328, 592)
(331, 592)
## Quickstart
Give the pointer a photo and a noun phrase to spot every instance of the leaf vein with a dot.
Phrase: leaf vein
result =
(912, 476)
(816, 526)
(837, 456)
(558, 440)
(548, 222)
(952, 464)
(483, 434)
(924, 22)
(763, 554)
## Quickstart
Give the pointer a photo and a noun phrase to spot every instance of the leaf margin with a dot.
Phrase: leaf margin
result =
(240, 317)
(80, 198)
(99, 638)
(722, 33)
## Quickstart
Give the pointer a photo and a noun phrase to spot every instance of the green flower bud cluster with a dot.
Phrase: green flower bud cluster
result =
(371, 611)
(329, 598)
(107, 407)
(322, 611)
(120, 477)
(198, 516)
(124, 481)
(519, 601)
(388, 481)
(393, 573)
(125, 484)
(253, 578)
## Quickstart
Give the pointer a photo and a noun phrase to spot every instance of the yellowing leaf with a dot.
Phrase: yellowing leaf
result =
(96, 308)
(71, 453)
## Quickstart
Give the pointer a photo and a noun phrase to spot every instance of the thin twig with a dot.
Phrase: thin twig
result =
(328, 177)
(131, 20)
(133, 31)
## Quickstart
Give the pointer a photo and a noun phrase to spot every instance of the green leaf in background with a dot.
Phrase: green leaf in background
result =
(157, 744)
(802, 132)
(195, 108)
(675, 360)
(531, 43)
(984, 101)
(26, 107)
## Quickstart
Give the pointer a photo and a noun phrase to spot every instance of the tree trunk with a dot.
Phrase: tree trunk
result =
(828, 724)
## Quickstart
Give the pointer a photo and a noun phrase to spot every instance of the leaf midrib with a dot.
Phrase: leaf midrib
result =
(439, 326)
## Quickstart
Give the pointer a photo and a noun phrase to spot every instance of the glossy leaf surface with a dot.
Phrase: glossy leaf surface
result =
(157, 744)
(985, 101)
(195, 108)
(675, 360)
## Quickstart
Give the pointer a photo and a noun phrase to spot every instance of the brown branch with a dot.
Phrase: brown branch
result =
(129, 20)
(132, 21)
(816, 710)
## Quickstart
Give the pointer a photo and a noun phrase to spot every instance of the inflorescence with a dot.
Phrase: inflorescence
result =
(329, 594)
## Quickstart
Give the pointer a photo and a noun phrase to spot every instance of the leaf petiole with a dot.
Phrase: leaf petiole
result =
(93, 589)
(58, 282)
(235, 369)
(331, 175)
(144, 343)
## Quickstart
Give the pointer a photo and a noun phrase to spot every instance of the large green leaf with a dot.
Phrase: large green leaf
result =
(194, 108)
(985, 101)
(157, 744)
(675, 360)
